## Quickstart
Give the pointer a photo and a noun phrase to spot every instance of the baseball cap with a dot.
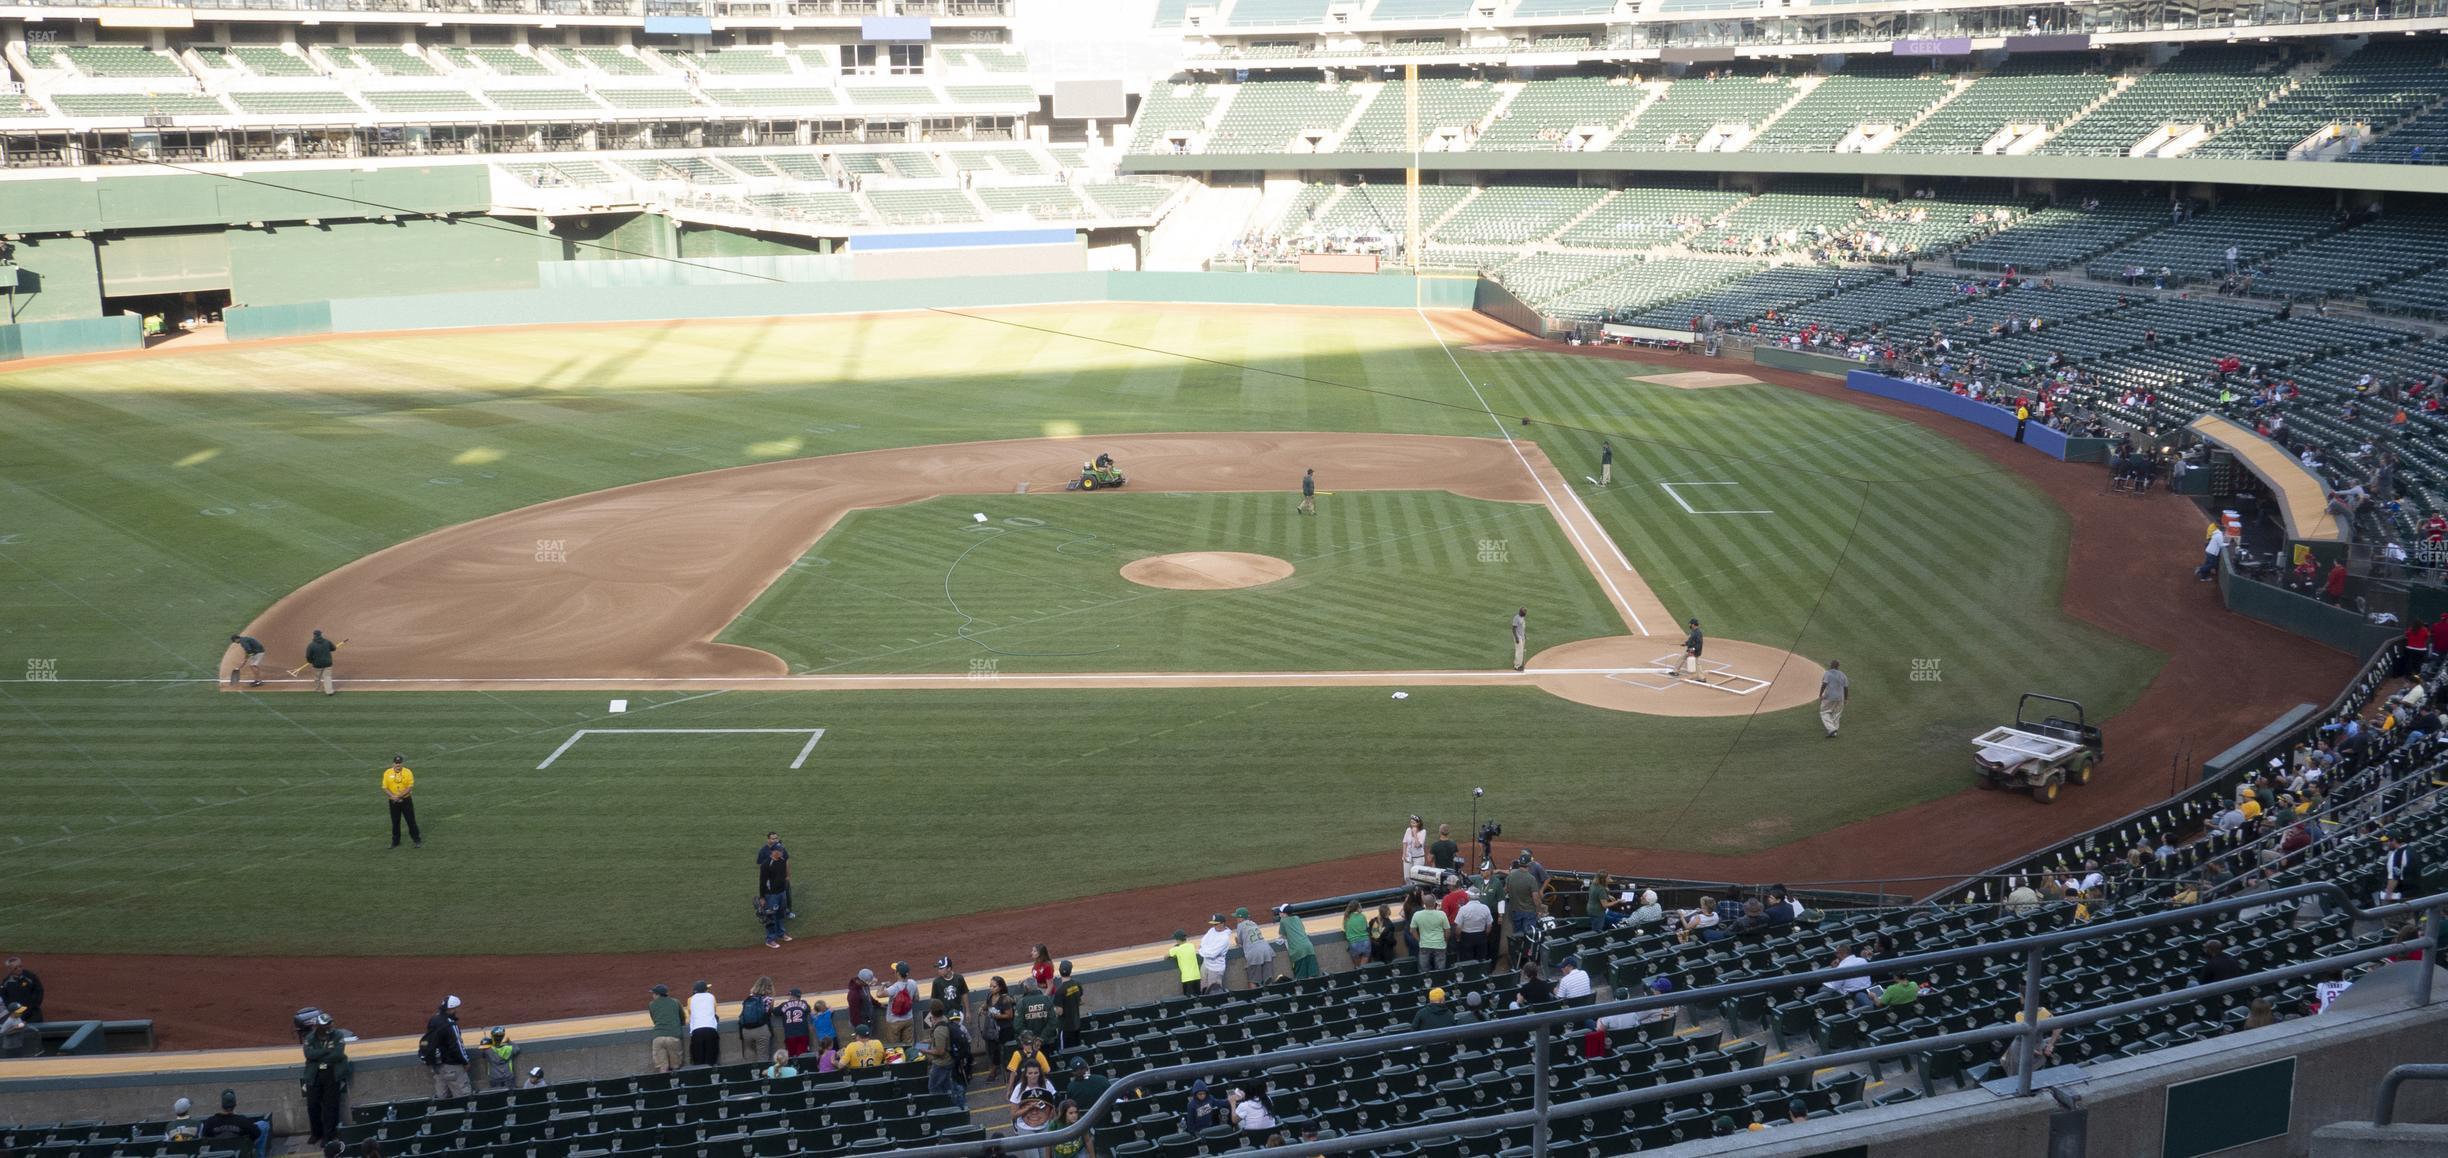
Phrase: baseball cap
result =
(1282, 909)
(661, 991)
(865, 1030)
(1241, 912)
(1661, 985)
(943, 962)
(1215, 918)
(1473, 1000)
(1064, 969)
(450, 1002)
(229, 1099)
(794, 991)
(181, 1106)
(535, 1071)
(901, 967)
(703, 987)
(1181, 934)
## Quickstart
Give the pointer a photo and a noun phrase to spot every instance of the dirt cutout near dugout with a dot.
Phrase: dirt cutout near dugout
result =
(1698, 379)
(1206, 570)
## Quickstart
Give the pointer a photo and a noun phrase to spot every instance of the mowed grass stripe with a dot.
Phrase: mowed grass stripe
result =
(1384, 581)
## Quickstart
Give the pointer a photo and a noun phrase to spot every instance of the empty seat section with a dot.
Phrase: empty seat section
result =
(1276, 116)
(1690, 109)
(1445, 105)
(1564, 113)
(1868, 93)
(2028, 92)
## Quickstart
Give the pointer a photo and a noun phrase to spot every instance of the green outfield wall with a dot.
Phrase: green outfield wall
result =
(71, 336)
(616, 298)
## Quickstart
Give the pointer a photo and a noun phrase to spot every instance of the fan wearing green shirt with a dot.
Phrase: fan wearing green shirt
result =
(1432, 929)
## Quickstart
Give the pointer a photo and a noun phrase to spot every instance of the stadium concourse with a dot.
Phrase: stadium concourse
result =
(2225, 676)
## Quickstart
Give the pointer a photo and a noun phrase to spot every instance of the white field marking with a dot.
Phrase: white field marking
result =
(1677, 496)
(1625, 605)
(813, 735)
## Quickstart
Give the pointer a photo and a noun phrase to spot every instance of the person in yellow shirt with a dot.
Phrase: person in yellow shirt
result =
(399, 785)
(2249, 804)
(1185, 958)
(863, 1053)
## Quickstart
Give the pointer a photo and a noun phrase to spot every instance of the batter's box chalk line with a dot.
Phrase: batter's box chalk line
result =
(812, 734)
(1680, 501)
(1712, 674)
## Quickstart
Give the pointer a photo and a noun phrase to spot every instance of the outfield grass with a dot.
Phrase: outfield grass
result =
(1384, 581)
(156, 505)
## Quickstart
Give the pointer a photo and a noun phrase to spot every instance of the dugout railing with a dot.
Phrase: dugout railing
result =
(1545, 1029)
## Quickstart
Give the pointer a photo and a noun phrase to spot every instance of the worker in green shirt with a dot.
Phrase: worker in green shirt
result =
(1296, 942)
(1185, 958)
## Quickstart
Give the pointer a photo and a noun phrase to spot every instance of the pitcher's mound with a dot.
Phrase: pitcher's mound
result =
(1206, 570)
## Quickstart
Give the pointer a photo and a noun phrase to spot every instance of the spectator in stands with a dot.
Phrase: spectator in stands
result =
(828, 1053)
(444, 1052)
(2400, 871)
(797, 1020)
(2217, 964)
(1572, 982)
(1433, 930)
(500, 1055)
(1473, 1009)
(1857, 989)
(864, 1052)
(1029, 1052)
(1257, 953)
(952, 989)
(858, 999)
(756, 1020)
(2044, 1051)
(997, 1014)
(1475, 930)
(1531, 988)
(228, 1126)
(900, 1002)
(1899, 991)
(1356, 934)
(20, 985)
(1034, 1012)
(1435, 1014)
(1214, 953)
(1184, 956)
(1699, 922)
(670, 1026)
(1522, 901)
(1032, 1100)
(939, 1058)
(705, 1026)
(1249, 1111)
(1202, 1111)
(1297, 947)
(1796, 1111)
(182, 1126)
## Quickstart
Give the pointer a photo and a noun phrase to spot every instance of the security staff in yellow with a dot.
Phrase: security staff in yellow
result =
(399, 784)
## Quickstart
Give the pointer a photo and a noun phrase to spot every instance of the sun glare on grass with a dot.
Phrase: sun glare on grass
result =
(476, 456)
(200, 457)
(775, 447)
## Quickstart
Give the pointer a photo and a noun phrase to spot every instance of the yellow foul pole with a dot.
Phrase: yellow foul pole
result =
(1411, 228)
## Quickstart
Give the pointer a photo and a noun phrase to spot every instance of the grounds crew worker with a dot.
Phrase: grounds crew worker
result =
(326, 1082)
(252, 664)
(399, 783)
(1606, 462)
(1521, 636)
(1308, 503)
(319, 653)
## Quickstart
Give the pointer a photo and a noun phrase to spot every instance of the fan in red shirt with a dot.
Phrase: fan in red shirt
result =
(2335, 588)
(2435, 528)
(2417, 649)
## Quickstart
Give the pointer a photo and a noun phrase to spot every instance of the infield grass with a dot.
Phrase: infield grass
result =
(155, 505)
(1383, 581)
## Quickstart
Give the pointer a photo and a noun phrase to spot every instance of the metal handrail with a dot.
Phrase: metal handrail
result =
(2384, 1105)
(2026, 1030)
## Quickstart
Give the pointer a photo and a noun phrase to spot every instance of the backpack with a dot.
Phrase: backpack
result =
(754, 1011)
(962, 1057)
(903, 999)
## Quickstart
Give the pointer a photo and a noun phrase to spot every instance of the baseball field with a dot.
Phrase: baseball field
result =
(391, 492)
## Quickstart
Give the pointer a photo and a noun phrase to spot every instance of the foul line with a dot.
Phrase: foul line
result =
(1677, 496)
(1596, 564)
(813, 735)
